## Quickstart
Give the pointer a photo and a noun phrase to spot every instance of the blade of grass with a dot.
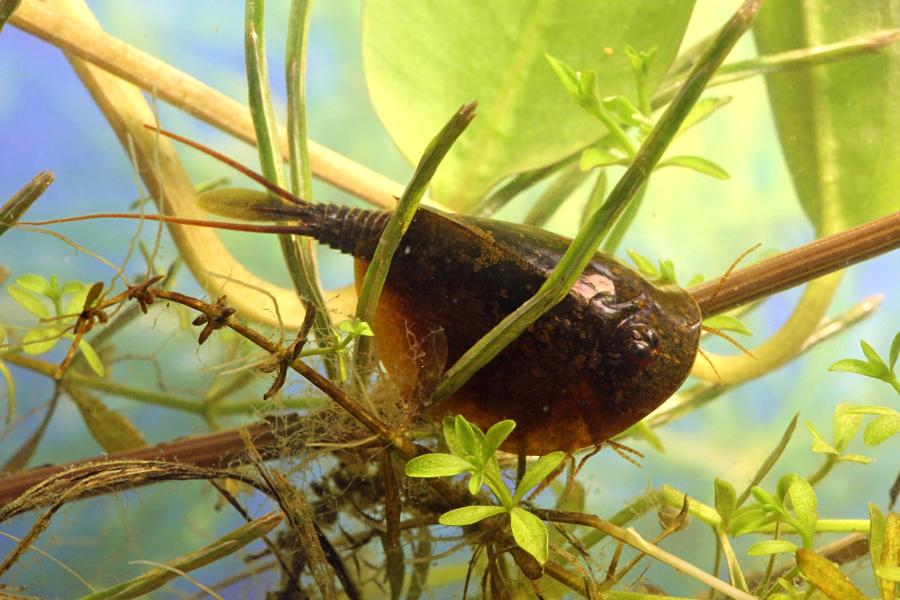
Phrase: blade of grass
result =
(297, 256)
(599, 224)
(554, 196)
(156, 578)
(376, 273)
(22, 200)
(301, 169)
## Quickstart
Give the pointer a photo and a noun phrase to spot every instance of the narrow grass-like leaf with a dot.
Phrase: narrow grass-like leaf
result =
(111, 429)
(22, 200)
(555, 195)
(468, 515)
(530, 533)
(224, 546)
(770, 461)
(437, 464)
(10, 392)
(376, 273)
(300, 264)
(599, 157)
(895, 351)
(702, 111)
(601, 222)
(826, 576)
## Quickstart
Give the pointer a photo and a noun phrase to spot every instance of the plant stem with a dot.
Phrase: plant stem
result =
(377, 271)
(13, 209)
(598, 225)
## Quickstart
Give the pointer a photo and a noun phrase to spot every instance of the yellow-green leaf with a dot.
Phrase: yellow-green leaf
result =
(826, 576)
(111, 429)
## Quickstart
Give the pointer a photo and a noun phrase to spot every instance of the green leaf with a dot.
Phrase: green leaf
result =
(667, 273)
(91, 356)
(889, 573)
(726, 500)
(34, 283)
(626, 112)
(423, 59)
(895, 351)
(804, 504)
(872, 356)
(857, 458)
(771, 547)
(827, 576)
(495, 436)
(38, 341)
(643, 264)
(467, 515)
(844, 426)
(819, 445)
(870, 409)
(110, 428)
(747, 519)
(598, 157)
(702, 111)
(476, 481)
(530, 533)
(537, 471)
(877, 524)
(437, 465)
(465, 435)
(30, 301)
(854, 365)
(832, 119)
(881, 429)
(727, 323)
(696, 163)
(450, 437)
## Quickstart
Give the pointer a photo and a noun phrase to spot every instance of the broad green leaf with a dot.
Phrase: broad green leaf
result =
(423, 59)
(881, 429)
(747, 519)
(35, 283)
(468, 515)
(475, 482)
(111, 429)
(437, 465)
(696, 163)
(854, 365)
(496, 435)
(726, 500)
(465, 435)
(530, 533)
(771, 547)
(91, 356)
(827, 576)
(30, 301)
(727, 323)
(804, 504)
(537, 471)
(833, 119)
(38, 341)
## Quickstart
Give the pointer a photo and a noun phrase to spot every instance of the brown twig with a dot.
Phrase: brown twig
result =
(799, 265)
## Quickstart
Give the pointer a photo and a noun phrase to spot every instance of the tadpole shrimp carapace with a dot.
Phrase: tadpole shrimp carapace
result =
(603, 358)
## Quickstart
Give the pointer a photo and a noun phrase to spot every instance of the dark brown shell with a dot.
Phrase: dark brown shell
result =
(581, 374)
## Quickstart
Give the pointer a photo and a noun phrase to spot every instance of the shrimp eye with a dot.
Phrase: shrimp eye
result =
(643, 342)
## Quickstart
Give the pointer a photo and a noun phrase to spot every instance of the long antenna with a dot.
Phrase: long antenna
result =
(799, 265)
